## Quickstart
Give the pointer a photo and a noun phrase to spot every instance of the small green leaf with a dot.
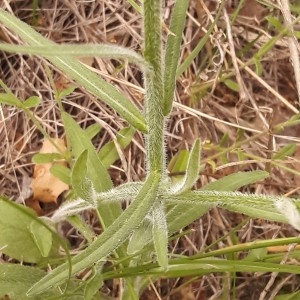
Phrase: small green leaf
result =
(192, 171)
(287, 150)
(42, 158)
(258, 66)
(178, 163)
(232, 85)
(10, 99)
(274, 22)
(31, 102)
(258, 254)
(84, 228)
(93, 130)
(253, 205)
(42, 237)
(66, 92)
(81, 183)
(61, 172)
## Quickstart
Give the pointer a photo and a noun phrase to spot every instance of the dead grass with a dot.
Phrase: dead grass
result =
(204, 108)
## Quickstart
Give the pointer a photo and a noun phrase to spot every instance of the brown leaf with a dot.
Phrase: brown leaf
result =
(45, 186)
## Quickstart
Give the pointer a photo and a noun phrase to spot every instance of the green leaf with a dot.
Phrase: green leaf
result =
(285, 151)
(258, 66)
(235, 181)
(84, 228)
(15, 280)
(82, 185)
(110, 239)
(80, 142)
(232, 85)
(93, 130)
(10, 99)
(42, 158)
(178, 163)
(32, 101)
(19, 238)
(292, 121)
(42, 237)
(88, 79)
(110, 51)
(173, 52)
(96, 173)
(140, 237)
(192, 171)
(256, 254)
(108, 154)
(181, 215)
(255, 206)
(61, 172)
(160, 235)
(65, 92)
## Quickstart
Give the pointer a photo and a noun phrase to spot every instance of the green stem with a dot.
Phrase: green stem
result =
(154, 87)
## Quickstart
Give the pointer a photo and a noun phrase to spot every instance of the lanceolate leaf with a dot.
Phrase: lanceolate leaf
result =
(79, 143)
(85, 50)
(173, 52)
(192, 171)
(96, 173)
(181, 215)
(81, 181)
(285, 151)
(32, 101)
(110, 239)
(88, 79)
(256, 206)
(10, 99)
(235, 181)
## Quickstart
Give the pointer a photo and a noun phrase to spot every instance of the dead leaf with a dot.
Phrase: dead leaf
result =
(45, 186)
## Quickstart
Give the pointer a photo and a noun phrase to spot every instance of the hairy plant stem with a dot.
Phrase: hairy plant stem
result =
(155, 150)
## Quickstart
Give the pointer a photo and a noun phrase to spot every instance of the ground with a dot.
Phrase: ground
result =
(238, 127)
